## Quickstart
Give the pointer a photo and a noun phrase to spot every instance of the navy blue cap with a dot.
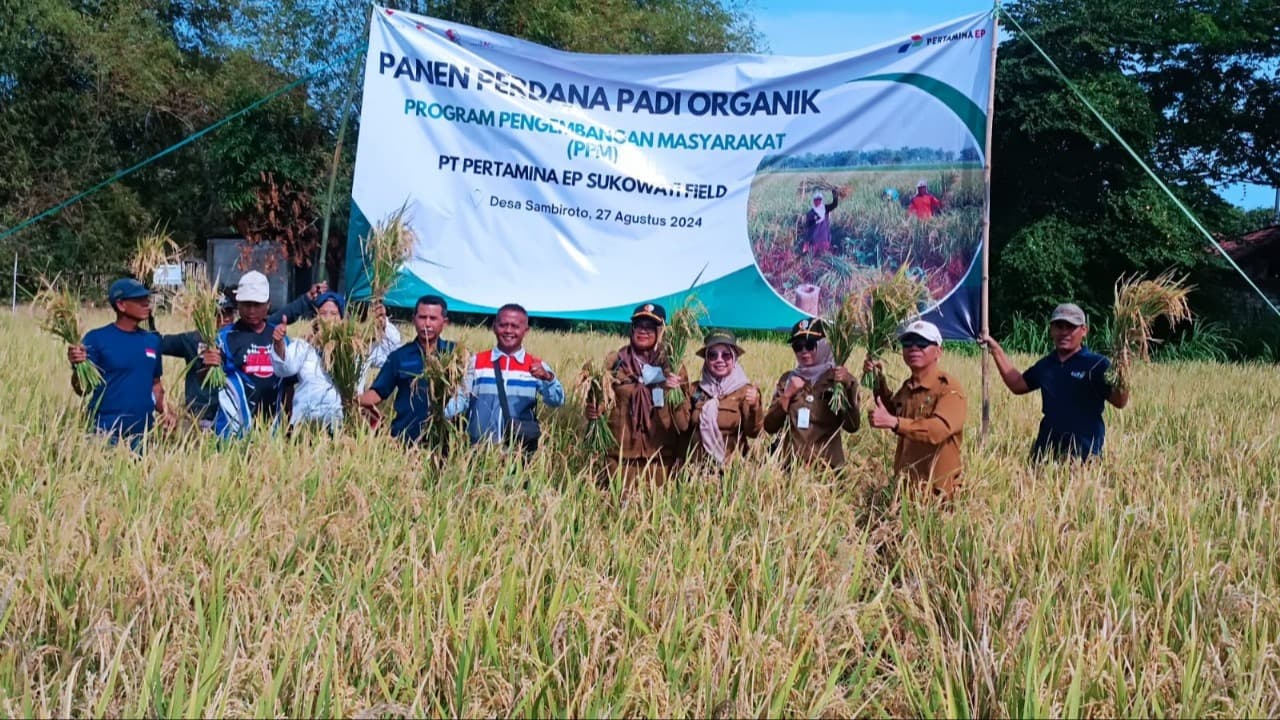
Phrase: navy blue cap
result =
(650, 311)
(337, 299)
(127, 289)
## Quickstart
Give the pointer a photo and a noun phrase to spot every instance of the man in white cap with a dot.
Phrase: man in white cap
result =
(1073, 386)
(815, 225)
(244, 352)
(924, 205)
(927, 414)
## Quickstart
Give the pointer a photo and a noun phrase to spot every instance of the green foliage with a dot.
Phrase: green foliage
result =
(1190, 86)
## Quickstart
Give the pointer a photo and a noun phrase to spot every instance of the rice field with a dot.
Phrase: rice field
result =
(346, 577)
(870, 235)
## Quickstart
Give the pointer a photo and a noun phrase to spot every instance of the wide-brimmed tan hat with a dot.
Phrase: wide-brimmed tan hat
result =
(720, 337)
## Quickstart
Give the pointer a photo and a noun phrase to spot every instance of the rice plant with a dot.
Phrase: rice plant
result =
(153, 249)
(344, 345)
(60, 317)
(386, 249)
(199, 303)
(594, 386)
(1139, 303)
(443, 374)
(683, 329)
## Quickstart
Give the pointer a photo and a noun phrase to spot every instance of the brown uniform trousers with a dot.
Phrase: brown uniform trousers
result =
(648, 457)
(931, 413)
(738, 420)
(821, 440)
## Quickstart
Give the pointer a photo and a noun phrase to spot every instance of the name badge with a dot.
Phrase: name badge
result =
(658, 397)
(802, 418)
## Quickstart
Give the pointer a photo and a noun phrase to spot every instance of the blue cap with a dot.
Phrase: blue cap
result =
(337, 299)
(127, 289)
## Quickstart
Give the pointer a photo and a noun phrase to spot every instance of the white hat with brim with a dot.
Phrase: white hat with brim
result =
(253, 287)
(926, 330)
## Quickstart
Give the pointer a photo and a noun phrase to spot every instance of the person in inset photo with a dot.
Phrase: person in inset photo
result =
(814, 232)
(924, 204)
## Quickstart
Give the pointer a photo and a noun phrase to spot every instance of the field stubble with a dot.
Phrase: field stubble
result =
(346, 577)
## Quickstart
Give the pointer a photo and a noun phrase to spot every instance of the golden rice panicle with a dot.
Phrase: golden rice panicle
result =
(1139, 304)
(199, 304)
(343, 347)
(594, 385)
(153, 249)
(59, 310)
(893, 300)
(684, 327)
(386, 249)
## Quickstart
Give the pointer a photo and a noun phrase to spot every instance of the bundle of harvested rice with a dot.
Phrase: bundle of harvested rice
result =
(59, 308)
(443, 373)
(1139, 303)
(154, 249)
(683, 328)
(198, 303)
(386, 249)
(594, 386)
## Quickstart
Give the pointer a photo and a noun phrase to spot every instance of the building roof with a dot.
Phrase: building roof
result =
(1267, 238)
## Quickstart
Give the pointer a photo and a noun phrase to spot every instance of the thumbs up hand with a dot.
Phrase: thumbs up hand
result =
(881, 418)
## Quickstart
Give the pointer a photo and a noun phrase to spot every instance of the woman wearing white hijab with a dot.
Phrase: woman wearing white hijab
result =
(726, 406)
(815, 228)
(802, 402)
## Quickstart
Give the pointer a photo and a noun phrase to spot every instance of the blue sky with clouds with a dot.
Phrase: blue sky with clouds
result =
(806, 27)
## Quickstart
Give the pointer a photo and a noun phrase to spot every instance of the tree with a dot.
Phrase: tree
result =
(1064, 190)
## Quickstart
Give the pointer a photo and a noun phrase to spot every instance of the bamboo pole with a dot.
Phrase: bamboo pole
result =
(349, 97)
(986, 228)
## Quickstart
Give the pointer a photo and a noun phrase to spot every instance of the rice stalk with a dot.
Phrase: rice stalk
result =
(594, 386)
(1139, 303)
(683, 328)
(386, 249)
(845, 331)
(199, 303)
(59, 308)
(153, 249)
(344, 346)
(443, 373)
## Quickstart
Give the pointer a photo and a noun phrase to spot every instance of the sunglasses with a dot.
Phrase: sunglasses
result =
(721, 355)
(802, 345)
(644, 327)
(916, 342)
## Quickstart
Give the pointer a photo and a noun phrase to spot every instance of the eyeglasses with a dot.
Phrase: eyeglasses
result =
(802, 345)
(916, 342)
(721, 355)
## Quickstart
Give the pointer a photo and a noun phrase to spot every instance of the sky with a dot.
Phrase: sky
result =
(797, 27)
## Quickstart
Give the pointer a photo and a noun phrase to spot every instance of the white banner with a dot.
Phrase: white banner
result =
(582, 185)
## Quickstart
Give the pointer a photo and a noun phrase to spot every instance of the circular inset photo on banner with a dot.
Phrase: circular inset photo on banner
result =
(852, 201)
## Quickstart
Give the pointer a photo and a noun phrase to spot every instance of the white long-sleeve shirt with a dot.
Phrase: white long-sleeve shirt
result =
(315, 398)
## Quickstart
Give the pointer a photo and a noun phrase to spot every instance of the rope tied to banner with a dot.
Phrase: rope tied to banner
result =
(1132, 153)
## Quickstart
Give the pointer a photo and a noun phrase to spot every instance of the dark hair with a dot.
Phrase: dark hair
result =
(511, 307)
(433, 300)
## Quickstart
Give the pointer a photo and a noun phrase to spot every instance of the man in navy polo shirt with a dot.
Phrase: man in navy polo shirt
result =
(128, 357)
(399, 374)
(1073, 386)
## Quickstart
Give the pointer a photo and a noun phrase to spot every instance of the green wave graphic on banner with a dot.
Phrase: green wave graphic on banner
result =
(973, 117)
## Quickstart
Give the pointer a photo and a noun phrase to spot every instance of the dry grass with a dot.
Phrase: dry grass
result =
(345, 577)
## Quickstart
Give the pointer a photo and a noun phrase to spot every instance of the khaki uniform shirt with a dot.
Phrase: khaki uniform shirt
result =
(821, 439)
(663, 438)
(738, 420)
(931, 413)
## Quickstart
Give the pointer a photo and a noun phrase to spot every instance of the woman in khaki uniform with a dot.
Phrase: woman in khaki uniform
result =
(802, 401)
(649, 442)
(726, 410)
